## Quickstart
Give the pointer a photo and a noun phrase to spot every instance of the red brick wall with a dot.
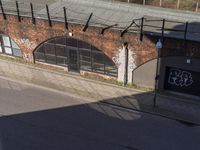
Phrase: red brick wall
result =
(29, 36)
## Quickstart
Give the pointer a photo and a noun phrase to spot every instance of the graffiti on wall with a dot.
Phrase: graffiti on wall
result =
(180, 78)
(29, 46)
(26, 42)
(28, 57)
(119, 60)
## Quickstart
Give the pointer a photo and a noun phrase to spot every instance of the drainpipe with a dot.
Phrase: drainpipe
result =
(126, 64)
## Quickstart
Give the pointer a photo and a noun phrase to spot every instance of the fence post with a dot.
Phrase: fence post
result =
(163, 33)
(49, 19)
(178, 4)
(197, 6)
(65, 15)
(185, 36)
(141, 29)
(4, 15)
(32, 13)
(144, 2)
(17, 6)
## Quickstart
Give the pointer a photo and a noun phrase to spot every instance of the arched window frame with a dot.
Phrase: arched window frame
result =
(89, 57)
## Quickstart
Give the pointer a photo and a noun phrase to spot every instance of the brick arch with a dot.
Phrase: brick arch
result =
(75, 54)
(66, 36)
(88, 41)
(29, 37)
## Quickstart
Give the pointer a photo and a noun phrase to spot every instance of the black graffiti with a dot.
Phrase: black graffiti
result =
(180, 78)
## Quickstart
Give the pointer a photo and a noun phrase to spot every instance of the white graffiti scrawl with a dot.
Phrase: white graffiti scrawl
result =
(180, 78)
(26, 42)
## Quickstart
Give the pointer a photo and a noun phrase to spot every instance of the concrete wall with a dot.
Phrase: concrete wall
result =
(144, 75)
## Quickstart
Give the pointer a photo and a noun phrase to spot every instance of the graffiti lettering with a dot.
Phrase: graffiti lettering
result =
(180, 78)
(26, 42)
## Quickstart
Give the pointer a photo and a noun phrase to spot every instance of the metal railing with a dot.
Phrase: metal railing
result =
(142, 26)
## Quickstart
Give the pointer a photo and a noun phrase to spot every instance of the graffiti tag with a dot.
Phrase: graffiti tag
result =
(26, 42)
(180, 78)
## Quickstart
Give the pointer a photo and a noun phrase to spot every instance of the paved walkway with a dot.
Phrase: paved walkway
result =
(180, 108)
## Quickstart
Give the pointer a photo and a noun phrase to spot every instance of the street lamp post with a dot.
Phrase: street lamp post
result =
(158, 47)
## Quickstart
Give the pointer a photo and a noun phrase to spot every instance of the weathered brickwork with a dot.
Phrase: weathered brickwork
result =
(29, 37)
(174, 47)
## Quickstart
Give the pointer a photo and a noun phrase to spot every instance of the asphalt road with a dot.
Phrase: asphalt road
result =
(35, 118)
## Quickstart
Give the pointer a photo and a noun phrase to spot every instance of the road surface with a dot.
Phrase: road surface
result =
(35, 118)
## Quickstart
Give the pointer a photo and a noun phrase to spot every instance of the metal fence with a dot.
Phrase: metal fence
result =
(142, 26)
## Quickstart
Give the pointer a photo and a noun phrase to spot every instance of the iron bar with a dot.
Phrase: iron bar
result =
(65, 15)
(32, 14)
(141, 29)
(124, 31)
(48, 15)
(18, 14)
(155, 20)
(2, 9)
(159, 54)
(163, 30)
(185, 32)
(156, 78)
(103, 30)
(185, 36)
(86, 25)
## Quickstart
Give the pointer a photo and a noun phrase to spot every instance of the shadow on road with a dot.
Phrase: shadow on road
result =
(93, 126)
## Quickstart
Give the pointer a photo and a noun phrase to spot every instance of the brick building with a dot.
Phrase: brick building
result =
(117, 48)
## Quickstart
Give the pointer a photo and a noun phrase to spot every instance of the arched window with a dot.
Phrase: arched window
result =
(76, 55)
(8, 46)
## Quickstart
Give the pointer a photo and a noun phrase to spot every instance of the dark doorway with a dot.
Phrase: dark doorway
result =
(182, 80)
(73, 60)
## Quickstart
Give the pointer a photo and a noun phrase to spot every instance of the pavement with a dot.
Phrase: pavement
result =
(177, 107)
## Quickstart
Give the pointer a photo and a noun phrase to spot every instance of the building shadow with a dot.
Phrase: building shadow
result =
(103, 125)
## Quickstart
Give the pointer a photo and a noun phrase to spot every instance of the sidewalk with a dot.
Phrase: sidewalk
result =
(178, 108)
(184, 110)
